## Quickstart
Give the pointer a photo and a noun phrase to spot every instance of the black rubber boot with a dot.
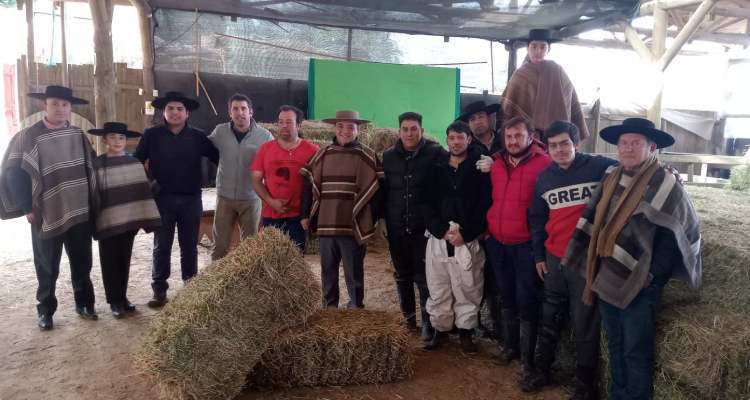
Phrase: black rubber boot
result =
(467, 344)
(545, 356)
(427, 329)
(528, 345)
(586, 385)
(158, 301)
(510, 330)
(436, 340)
(406, 302)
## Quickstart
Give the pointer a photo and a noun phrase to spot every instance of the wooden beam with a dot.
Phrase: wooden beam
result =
(147, 47)
(638, 45)
(687, 31)
(104, 74)
(63, 40)
(649, 7)
(723, 38)
(30, 56)
(658, 44)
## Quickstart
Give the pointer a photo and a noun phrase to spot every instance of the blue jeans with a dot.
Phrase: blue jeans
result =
(630, 336)
(292, 227)
(184, 213)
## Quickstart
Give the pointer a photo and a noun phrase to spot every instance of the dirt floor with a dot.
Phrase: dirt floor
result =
(92, 359)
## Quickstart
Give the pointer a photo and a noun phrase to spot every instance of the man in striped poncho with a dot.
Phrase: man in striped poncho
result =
(638, 230)
(47, 175)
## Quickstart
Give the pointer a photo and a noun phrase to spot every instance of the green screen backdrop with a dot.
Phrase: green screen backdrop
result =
(380, 92)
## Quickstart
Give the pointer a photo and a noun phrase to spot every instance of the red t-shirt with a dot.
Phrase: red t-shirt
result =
(280, 168)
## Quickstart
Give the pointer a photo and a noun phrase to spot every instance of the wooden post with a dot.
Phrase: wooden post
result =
(104, 74)
(30, 55)
(65, 72)
(659, 40)
(512, 57)
(492, 67)
(691, 172)
(597, 111)
(147, 50)
(349, 45)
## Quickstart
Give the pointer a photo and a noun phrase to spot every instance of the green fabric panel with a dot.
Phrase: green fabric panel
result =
(380, 92)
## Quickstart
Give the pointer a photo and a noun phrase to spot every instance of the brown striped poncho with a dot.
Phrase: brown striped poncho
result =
(59, 164)
(126, 202)
(344, 182)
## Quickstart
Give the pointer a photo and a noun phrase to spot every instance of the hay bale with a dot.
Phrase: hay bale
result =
(704, 352)
(346, 347)
(204, 342)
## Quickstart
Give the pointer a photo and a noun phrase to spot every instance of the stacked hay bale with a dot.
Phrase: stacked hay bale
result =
(345, 347)
(205, 340)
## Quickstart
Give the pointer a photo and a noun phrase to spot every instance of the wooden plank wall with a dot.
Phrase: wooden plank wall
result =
(129, 101)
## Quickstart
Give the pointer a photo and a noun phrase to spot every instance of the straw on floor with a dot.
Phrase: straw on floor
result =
(211, 334)
(337, 347)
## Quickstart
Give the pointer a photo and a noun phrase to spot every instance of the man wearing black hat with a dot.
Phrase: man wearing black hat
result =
(638, 230)
(478, 116)
(47, 175)
(540, 90)
(173, 153)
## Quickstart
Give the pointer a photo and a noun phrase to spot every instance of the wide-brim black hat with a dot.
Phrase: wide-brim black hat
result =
(115, 127)
(476, 107)
(641, 126)
(161, 102)
(540, 35)
(58, 92)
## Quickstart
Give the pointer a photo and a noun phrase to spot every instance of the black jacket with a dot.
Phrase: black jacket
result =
(496, 145)
(462, 195)
(405, 186)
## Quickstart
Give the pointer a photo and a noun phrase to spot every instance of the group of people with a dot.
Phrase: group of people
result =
(515, 217)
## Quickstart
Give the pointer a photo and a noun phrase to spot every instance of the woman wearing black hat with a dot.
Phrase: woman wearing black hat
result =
(540, 90)
(126, 205)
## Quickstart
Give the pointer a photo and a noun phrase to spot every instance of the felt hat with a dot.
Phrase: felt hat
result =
(641, 126)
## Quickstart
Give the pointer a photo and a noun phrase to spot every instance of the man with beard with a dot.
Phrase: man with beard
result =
(173, 153)
(276, 176)
(47, 175)
(513, 174)
(237, 141)
(562, 191)
(456, 218)
(408, 166)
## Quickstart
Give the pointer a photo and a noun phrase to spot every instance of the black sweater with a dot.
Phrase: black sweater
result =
(462, 195)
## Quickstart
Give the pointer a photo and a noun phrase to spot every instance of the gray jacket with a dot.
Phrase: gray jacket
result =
(233, 178)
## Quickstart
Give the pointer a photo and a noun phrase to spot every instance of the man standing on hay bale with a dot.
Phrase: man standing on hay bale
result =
(637, 231)
(562, 191)
(408, 166)
(47, 175)
(236, 202)
(456, 218)
(277, 179)
(541, 90)
(173, 153)
(513, 173)
(342, 182)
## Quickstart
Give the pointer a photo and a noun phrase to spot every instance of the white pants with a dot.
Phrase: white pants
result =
(455, 283)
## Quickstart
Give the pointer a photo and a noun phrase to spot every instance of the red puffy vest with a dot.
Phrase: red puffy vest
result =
(512, 190)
